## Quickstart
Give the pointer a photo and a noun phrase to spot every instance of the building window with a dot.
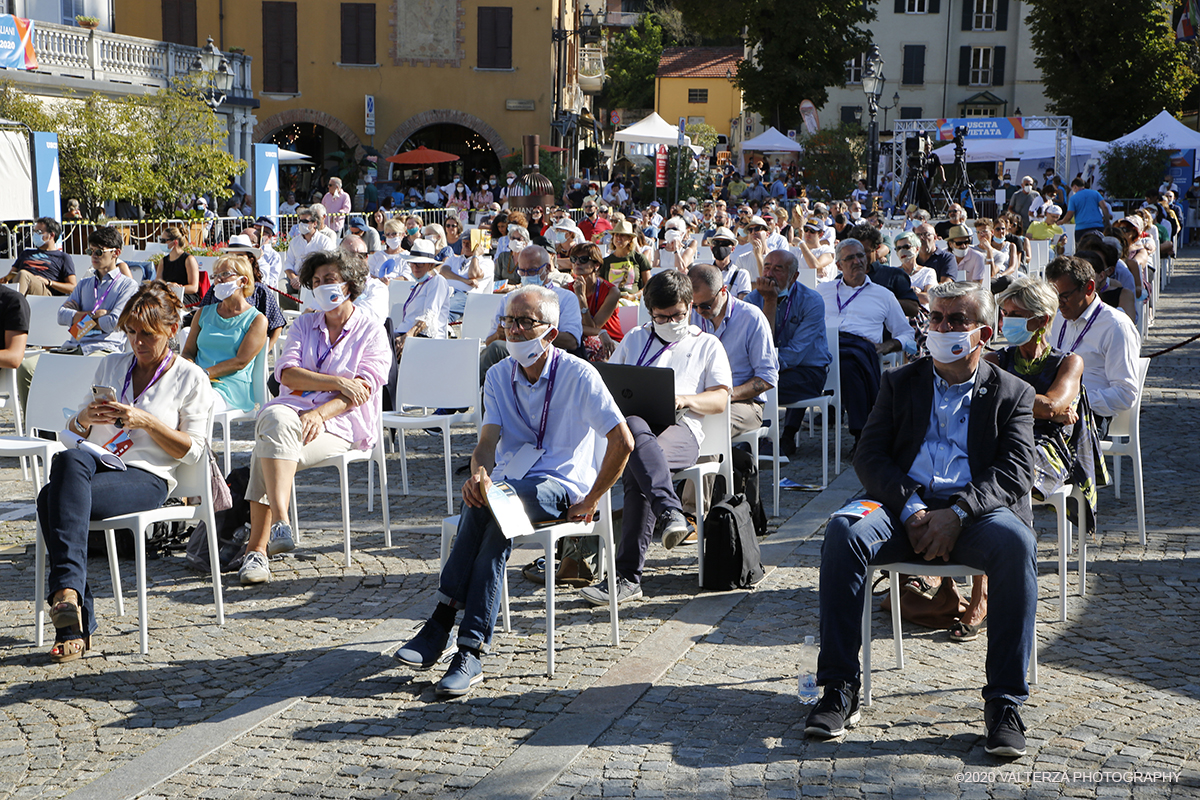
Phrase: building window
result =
(854, 69)
(915, 7)
(914, 65)
(72, 9)
(981, 66)
(279, 48)
(358, 33)
(179, 22)
(695, 120)
(495, 38)
(979, 111)
(697, 95)
(852, 114)
(910, 112)
(985, 15)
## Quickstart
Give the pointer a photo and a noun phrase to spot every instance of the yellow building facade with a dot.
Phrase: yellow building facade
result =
(694, 83)
(463, 76)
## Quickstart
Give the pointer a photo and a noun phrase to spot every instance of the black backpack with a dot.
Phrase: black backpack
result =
(745, 482)
(732, 559)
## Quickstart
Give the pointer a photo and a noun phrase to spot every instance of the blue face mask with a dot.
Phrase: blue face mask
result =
(531, 280)
(1016, 331)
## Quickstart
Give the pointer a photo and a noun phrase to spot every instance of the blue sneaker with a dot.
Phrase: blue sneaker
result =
(281, 539)
(426, 648)
(465, 671)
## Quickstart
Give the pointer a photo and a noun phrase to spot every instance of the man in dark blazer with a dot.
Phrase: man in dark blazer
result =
(948, 450)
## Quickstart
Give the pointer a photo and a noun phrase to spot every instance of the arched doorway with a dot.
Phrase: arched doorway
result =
(477, 144)
(330, 148)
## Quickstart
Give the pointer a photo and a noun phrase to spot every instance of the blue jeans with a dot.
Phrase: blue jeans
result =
(81, 490)
(475, 567)
(997, 542)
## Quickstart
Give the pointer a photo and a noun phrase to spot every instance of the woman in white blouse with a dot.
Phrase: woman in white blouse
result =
(150, 408)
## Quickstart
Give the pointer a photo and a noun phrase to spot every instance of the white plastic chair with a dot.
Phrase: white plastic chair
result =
(226, 418)
(547, 536)
(59, 385)
(479, 314)
(193, 481)
(1039, 258)
(931, 568)
(770, 412)
(342, 462)
(8, 395)
(1059, 501)
(628, 316)
(1069, 232)
(455, 362)
(44, 330)
(1126, 427)
(398, 292)
(716, 442)
(829, 402)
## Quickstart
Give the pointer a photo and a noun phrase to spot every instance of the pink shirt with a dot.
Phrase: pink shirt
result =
(362, 352)
(336, 205)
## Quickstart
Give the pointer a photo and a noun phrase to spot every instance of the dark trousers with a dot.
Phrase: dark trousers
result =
(81, 490)
(997, 542)
(799, 383)
(648, 488)
(861, 375)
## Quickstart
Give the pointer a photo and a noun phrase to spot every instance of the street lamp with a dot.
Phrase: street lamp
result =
(215, 74)
(588, 32)
(872, 81)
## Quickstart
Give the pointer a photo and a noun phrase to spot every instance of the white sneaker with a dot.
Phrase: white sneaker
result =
(254, 569)
(281, 539)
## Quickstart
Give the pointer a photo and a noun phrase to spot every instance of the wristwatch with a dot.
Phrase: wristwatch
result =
(963, 516)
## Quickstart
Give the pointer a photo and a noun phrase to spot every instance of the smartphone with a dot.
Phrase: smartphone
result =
(104, 394)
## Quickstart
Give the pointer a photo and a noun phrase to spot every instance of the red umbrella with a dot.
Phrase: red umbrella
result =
(421, 156)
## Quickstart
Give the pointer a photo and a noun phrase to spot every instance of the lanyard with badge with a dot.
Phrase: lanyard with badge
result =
(118, 444)
(523, 460)
(1063, 331)
(88, 321)
(642, 361)
(323, 357)
(837, 296)
(787, 313)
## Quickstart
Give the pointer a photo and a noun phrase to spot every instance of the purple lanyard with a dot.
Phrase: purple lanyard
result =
(162, 367)
(787, 312)
(541, 430)
(1063, 331)
(98, 299)
(413, 295)
(324, 356)
(642, 358)
(836, 296)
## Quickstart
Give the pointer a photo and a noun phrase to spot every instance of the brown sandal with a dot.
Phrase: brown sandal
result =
(71, 647)
(67, 614)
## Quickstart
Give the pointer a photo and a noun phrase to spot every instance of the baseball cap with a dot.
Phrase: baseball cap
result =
(265, 222)
(357, 222)
(1053, 209)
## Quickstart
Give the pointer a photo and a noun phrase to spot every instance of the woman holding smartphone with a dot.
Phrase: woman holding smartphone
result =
(151, 409)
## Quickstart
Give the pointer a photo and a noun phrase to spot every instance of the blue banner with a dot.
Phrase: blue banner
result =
(16, 43)
(1181, 165)
(266, 180)
(46, 192)
(983, 128)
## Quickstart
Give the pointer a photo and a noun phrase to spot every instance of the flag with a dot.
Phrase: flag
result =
(1189, 21)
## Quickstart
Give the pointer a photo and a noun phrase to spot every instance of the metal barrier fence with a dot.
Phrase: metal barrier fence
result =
(135, 233)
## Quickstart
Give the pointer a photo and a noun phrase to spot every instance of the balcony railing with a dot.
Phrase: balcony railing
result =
(591, 69)
(622, 19)
(112, 57)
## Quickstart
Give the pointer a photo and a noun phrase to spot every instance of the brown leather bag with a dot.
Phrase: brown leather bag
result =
(941, 612)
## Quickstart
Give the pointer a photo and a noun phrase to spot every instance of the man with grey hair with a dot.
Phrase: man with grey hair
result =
(337, 203)
(948, 451)
(310, 236)
(796, 316)
(940, 261)
(542, 412)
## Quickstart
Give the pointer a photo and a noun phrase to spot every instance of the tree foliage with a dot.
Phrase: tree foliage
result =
(799, 48)
(691, 181)
(832, 159)
(630, 66)
(1129, 170)
(702, 135)
(151, 150)
(1121, 50)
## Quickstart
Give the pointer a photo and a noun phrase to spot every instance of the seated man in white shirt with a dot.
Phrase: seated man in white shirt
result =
(311, 236)
(862, 310)
(551, 468)
(1103, 336)
(425, 312)
(702, 384)
(749, 256)
(972, 266)
(533, 268)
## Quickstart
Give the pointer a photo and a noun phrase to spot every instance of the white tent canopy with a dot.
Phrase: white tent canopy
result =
(292, 157)
(1173, 133)
(771, 141)
(653, 130)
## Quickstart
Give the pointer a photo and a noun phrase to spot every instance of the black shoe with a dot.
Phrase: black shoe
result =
(425, 649)
(1005, 731)
(834, 712)
(672, 526)
(787, 442)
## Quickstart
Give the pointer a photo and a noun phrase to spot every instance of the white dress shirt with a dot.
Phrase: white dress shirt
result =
(428, 301)
(866, 313)
(298, 248)
(1109, 351)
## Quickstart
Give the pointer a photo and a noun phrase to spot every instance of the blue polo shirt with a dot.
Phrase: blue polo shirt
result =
(746, 337)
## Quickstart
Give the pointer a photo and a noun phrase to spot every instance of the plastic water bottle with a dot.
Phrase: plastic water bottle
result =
(808, 671)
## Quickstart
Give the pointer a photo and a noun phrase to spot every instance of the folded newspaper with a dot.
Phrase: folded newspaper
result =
(508, 510)
(102, 456)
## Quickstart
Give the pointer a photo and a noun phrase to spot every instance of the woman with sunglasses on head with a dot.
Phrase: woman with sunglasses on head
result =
(225, 338)
(597, 302)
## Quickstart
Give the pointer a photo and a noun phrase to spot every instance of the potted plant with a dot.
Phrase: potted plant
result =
(91, 23)
(236, 50)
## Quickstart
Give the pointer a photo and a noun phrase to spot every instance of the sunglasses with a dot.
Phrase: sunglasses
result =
(707, 306)
(97, 252)
(581, 260)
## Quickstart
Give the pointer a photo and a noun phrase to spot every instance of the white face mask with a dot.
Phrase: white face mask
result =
(303, 228)
(958, 252)
(528, 351)
(1026, 189)
(329, 296)
(673, 331)
(226, 290)
(393, 242)
(510, 181)
(949, 346)
(516, 246)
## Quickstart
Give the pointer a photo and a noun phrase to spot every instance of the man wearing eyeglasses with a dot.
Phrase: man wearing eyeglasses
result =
(310, 236)
(870, 323)
(940, 261)
(542, 412)
(949, 452)
(702, 383)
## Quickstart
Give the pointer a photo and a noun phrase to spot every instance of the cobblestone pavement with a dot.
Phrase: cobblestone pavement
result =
(297, 695)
